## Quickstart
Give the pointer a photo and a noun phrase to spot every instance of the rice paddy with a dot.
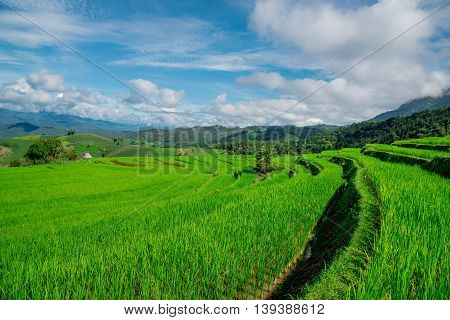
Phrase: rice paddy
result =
(206, 226)
(105, 231)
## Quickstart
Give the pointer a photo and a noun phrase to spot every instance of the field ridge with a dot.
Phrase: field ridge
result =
(332, 234)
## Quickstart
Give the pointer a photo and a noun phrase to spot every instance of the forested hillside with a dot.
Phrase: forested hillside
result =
(418, 125)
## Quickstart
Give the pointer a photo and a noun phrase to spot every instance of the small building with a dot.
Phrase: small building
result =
(87, 155)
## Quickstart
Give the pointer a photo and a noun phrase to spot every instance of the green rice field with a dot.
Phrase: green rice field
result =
(206, 226)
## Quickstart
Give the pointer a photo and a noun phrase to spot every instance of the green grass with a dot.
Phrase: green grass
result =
(127, 150)
(430, 140)
(410, 152)
(98, 230)
(18, 148)
(92, 143)
(339, 279)
(167, 226)
(410, 257)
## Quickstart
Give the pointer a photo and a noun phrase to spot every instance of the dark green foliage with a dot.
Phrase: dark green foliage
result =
(263, 159)
(229, 138)
(15, 163)
(70, 154)
(314, 169)
(425, 146)
(418, 125)
(237, 174)
(291, 173)
(440, 165)
(71, 132)
(393, 157)
(46, 150)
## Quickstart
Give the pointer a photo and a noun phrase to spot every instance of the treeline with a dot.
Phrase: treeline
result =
(207, 137)
(418, 125)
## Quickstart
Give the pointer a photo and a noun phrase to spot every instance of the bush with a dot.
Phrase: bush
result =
(46, 150)
(71, 154)
(263, 159)
(15, 163)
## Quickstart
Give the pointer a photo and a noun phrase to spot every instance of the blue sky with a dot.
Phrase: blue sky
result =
(183, 63)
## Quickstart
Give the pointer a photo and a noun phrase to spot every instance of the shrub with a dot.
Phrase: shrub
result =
(46, 150)
(15, 163)
(71, 154)
(264, 159)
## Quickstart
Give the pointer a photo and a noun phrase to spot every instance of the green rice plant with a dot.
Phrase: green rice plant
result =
(339, 279)
(429, 140)
(409, 152)
(430, 143)
(410, 257)
(97, 229)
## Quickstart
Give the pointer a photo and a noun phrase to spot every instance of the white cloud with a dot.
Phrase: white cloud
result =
(267, 80)
(46, 81)
(251, 112)
(220, 99)
(360, 96)
(321, 28)
(71, 22)
(333, 38)
(150, 91)
(300, 34)
(45, 91)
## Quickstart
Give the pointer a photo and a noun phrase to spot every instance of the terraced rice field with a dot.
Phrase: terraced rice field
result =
(411, 152)
(97, 230)
(410, 256)
(190, 227)
(429, 141)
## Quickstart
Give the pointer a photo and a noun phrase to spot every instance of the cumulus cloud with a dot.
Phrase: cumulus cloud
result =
(46, 91)
(360, 96)
(46, 81)
(251, 112)
(321, 28)
(220, 99)
(335, 38)
(147, 90)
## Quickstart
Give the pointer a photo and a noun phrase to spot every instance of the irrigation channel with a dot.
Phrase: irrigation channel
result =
(331, 234)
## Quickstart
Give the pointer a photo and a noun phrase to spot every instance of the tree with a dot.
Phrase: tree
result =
(71, 132)
(46, 150)
(263, 159)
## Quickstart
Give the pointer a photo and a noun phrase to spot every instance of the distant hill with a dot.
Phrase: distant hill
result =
(418, 125)
(207, 136)
(417, 105)
(14, 123)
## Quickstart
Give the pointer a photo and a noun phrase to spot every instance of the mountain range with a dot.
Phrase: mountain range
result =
(15, 123)
(417, 105)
